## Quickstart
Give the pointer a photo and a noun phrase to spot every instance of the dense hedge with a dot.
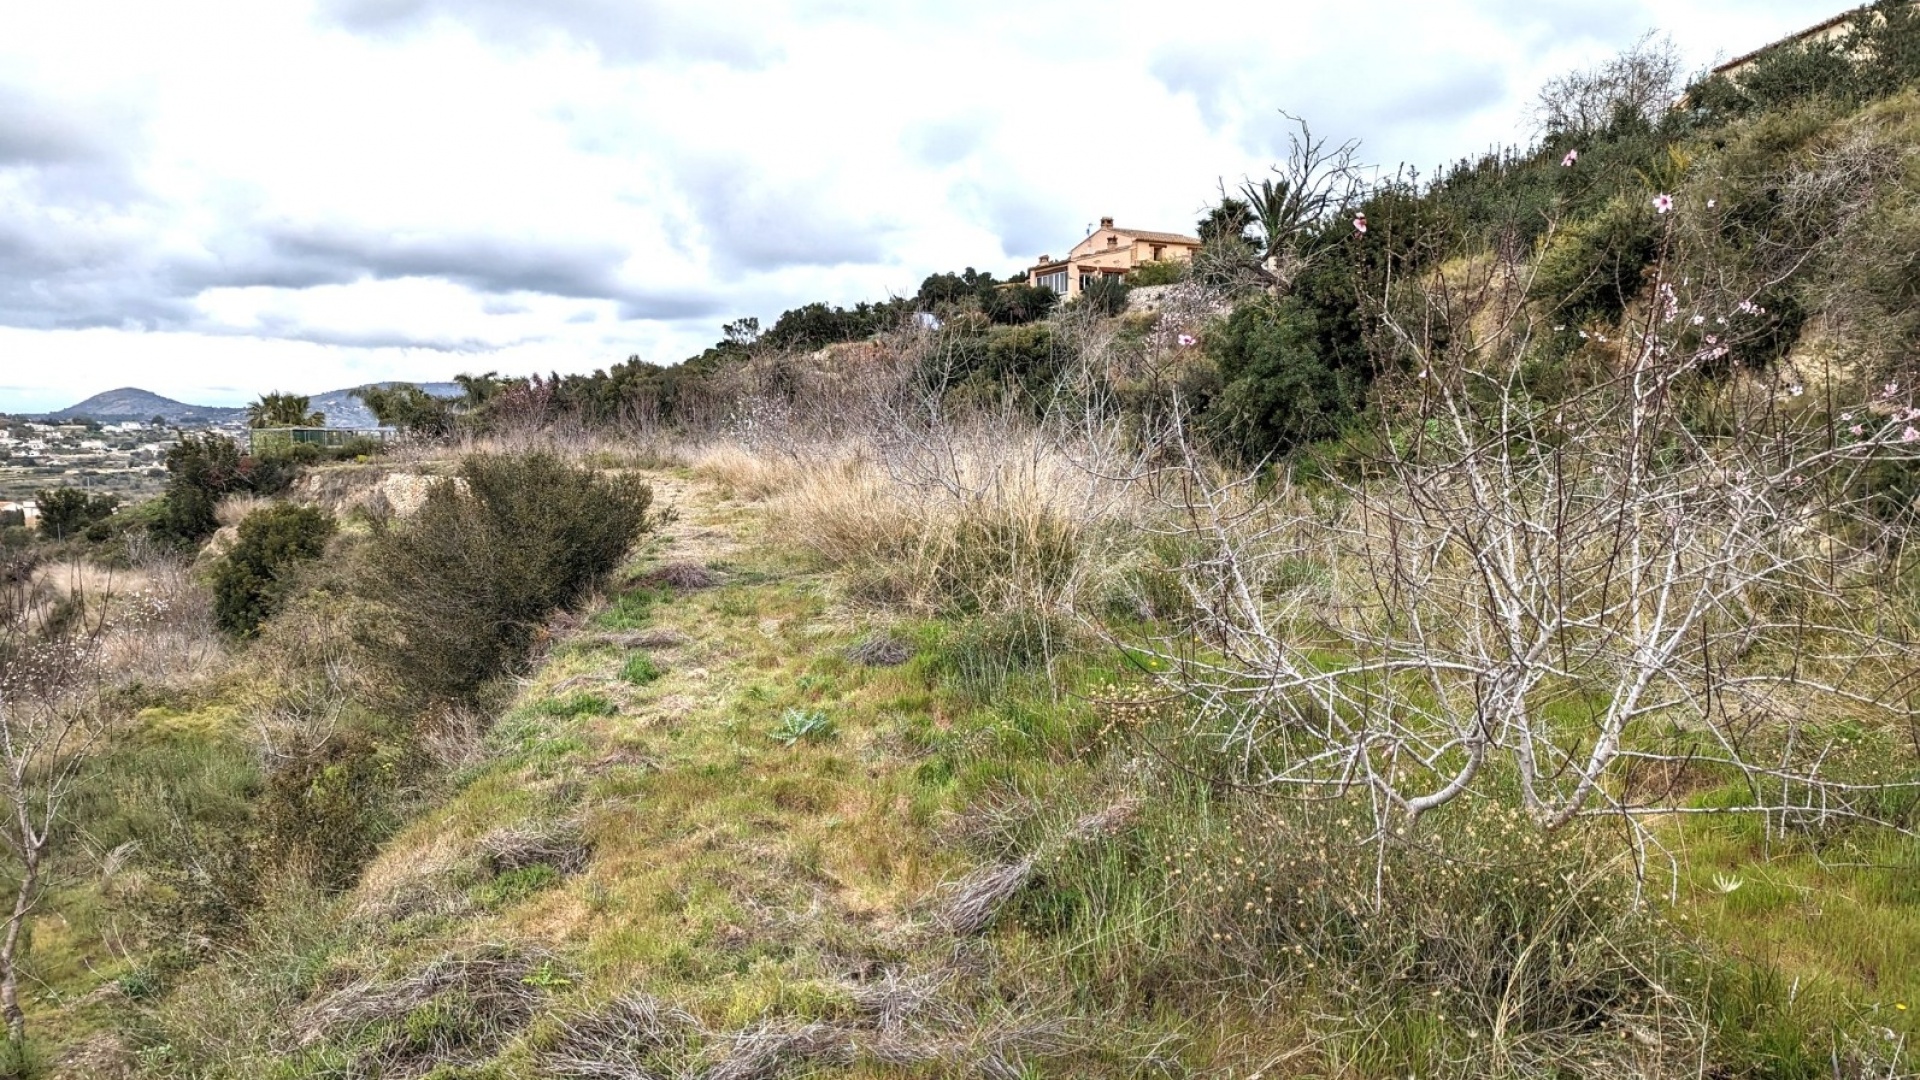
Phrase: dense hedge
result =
(469, 579)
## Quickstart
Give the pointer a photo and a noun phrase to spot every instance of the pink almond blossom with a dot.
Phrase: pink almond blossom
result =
(1186, 340)
(1663, 202)
(1360, 224)
(1572, 156)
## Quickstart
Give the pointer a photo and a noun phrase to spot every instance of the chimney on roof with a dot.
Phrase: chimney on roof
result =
(1106, 223)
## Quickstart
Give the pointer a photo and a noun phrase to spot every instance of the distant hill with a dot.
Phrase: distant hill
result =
(132, 403)
(345, 410)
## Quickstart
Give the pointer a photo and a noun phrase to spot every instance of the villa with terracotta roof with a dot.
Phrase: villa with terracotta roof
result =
(1831, 30)
(1111, 251)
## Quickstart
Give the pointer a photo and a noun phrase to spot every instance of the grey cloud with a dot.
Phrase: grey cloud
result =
(1210, 75)
(752, 224)
(1026, 223)
(943, 142)
(484, 263)
(621, 30)
(72, 274)
(292, 330)
(495, 266)
(670, 307)
(33, 134)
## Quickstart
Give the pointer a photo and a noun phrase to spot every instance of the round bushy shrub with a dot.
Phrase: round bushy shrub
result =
(468, 580)
(252, 580)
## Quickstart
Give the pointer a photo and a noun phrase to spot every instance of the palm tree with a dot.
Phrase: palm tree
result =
(283, 410)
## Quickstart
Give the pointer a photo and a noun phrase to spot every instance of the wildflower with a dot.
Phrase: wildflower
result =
(1910, 434)
(1699, 320)
(1858, 429)
(1663, 202)
(1186, 340)
(1890, 389)
(1795, 390)
(1572, 156)
(1360, 223)
(1711, 203)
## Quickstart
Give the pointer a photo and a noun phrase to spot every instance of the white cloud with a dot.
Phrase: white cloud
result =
(213, 198)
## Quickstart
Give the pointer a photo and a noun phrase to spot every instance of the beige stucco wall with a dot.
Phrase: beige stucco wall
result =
(1110, 249)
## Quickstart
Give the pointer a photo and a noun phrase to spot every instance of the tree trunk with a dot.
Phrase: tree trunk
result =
(10, 948)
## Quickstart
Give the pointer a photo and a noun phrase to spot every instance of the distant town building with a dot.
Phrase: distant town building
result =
(25, 512)
(1111, 251)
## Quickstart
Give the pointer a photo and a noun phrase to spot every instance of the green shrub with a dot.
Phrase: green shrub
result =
(1106, 294)
(1592, 268)
(202, 468)
(251, 581)
(1278, 390)
(468, 581)
(1795, 73)
(1165, 272)
(68, 512)
(327, 809)
(1016, 304)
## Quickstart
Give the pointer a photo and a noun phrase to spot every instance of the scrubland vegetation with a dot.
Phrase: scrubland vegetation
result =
(1463, 629)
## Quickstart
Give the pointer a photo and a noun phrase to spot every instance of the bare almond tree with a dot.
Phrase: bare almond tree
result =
(1594, 599)
(1641, 83)
(51, 719)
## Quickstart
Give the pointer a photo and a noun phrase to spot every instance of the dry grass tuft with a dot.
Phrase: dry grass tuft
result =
(683, 576)
(745, 473)
(233, 509)
(624, 1041)
(407, 881)
(880, 650)
(764, 1052)
(559, 845)
(974, 902)
(454, 1010)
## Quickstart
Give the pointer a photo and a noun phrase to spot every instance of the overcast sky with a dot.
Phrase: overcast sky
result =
(215, 198)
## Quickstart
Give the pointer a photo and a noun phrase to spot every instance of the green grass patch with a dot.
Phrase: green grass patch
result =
(512, 886)
(630, 610)
(640, 670)
(574, 705)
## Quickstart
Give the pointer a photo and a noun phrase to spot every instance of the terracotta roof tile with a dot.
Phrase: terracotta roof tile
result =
(1157, 237)
(1789, 40)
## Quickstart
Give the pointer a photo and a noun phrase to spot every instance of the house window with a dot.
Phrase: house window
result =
(1113, 241)
(1057, 281)
(1157, 249)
